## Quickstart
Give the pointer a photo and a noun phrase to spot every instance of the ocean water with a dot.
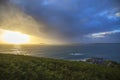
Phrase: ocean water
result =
(68, 52)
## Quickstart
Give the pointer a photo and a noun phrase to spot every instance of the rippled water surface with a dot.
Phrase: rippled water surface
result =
(69, 52)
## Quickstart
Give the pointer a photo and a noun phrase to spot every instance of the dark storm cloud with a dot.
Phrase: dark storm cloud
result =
(3, 1)
(72, 20)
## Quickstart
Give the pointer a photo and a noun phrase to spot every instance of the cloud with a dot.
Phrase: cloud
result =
(117, 14)
(3, 1)
(12, 18)
(63, 20)
(110, 14)
(103, 34)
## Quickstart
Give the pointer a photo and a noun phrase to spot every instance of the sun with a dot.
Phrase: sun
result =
(11, 37)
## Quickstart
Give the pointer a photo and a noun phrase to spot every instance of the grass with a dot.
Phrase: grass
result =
(18, 67)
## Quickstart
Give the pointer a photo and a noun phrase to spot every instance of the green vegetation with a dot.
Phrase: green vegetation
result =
(16, 67)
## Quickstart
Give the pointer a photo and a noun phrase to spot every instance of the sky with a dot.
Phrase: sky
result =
(64, 21)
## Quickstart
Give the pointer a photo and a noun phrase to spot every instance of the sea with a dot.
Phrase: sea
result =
(108, 51)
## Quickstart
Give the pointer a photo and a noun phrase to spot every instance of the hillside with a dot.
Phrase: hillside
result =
(16, 67)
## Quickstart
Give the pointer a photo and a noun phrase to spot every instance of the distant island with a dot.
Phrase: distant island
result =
(19, 67)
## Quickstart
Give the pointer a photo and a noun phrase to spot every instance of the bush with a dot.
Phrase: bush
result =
(16, 67)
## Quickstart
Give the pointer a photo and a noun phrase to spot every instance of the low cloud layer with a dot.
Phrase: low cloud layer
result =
(103, 34)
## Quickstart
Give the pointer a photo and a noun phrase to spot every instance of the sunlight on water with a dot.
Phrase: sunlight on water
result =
(14, 49)
(77, 52)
